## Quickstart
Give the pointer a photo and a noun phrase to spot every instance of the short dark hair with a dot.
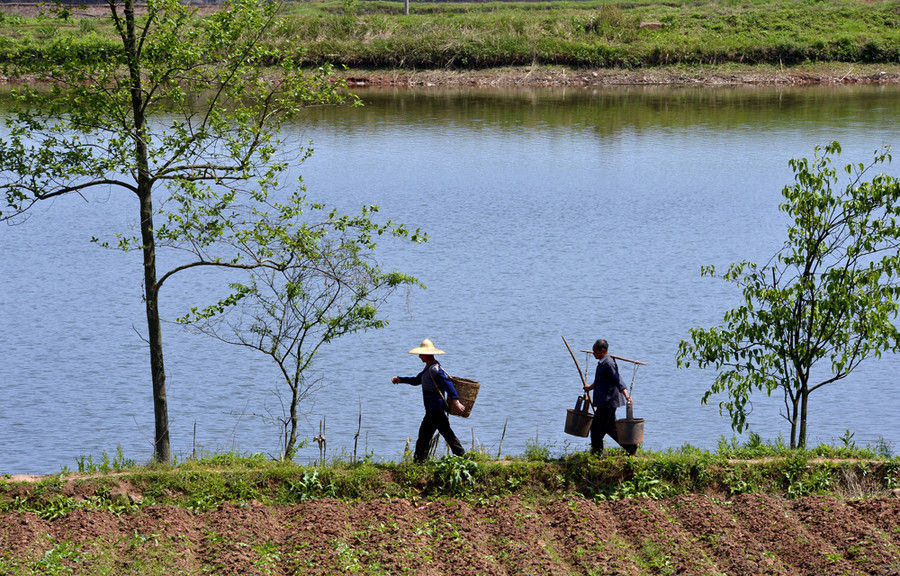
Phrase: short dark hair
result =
(601, 345)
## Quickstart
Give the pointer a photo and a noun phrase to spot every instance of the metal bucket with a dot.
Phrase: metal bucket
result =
(630, 430)
(578, 423)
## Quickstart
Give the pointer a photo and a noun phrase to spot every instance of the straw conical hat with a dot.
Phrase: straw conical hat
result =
(426, 347)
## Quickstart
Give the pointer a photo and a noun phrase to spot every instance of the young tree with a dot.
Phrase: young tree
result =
(827, 301)
(183, 117)
(333, 287)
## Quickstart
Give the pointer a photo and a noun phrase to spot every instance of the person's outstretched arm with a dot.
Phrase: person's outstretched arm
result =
(411, 380)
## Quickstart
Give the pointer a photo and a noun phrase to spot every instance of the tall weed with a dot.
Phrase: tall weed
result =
(455, 475)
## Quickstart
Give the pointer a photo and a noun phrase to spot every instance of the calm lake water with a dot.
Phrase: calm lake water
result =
(576, 212)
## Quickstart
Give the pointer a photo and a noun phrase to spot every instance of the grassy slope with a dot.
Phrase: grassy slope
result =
(209, 482)
(374, 33)
(596, 33)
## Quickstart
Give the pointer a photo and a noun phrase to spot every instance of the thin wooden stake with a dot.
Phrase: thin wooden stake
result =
(358, 428)
(320, 440)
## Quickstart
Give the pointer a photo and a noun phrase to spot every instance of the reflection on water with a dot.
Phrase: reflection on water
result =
(610, 110)
(583, 212)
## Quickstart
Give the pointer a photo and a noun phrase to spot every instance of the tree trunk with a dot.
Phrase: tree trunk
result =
(794, 427)
(291, 448)
(792, 416)
(161, 451)
(804, 395)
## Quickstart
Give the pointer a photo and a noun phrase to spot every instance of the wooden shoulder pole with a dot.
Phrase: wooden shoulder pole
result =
(622, 359)
(576, 362)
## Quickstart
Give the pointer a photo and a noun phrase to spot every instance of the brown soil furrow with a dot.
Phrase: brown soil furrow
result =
(171, 529)
(567, 535)
(455, 534)
(883, 513)
(732, 549)
(858, 541)
(658, 540)
(236, 537)
(388, 537)
(22, 531)
(516, 540)
(166, 520)
(155, 531)
(769, 520)
(81, 526)
(589, 536)
(315, 530)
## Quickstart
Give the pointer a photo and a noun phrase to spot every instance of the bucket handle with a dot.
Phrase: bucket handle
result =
(587, 398)
(584, 400)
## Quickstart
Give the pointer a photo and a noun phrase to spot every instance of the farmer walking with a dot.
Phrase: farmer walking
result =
(435, 384)
(609, 393)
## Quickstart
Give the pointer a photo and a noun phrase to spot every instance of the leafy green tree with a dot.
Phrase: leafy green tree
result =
(333, 287)
(182, 116)
(826, 302)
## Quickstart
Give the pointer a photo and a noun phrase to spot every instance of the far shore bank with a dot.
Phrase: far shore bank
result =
(817, 74)
(589, 43)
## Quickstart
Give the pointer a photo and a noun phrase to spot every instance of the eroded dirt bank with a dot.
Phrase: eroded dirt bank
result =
(825, 74)
(832, 74)
(747, 534)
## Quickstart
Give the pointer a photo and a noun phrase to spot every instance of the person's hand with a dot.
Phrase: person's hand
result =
(395, 379)
(630, 400)
(458, 405)
(587, 388)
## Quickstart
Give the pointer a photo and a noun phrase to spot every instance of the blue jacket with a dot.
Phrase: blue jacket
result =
(608, 385)
(428, 378)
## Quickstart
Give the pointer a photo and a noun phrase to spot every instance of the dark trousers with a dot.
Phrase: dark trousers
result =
(436, 420)
(604, 423)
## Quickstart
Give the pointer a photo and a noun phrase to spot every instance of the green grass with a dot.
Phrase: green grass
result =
(375, 33)
(596, 33)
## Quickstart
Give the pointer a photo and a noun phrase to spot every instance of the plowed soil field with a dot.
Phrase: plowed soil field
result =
(747, 534)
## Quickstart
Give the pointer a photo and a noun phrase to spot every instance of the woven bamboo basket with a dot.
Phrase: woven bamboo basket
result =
(468, 391)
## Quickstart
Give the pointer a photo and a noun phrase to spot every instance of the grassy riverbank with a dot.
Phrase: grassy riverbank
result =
(596, 34)
(685, 511)
(374, 34)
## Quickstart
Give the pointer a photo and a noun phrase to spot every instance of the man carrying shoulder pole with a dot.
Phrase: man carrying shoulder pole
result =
(609, 393)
